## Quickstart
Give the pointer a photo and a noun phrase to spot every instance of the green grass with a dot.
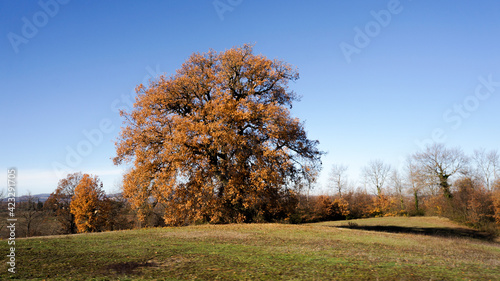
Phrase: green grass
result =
(318, 251)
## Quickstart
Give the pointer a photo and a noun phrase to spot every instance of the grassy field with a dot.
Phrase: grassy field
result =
(320, 251)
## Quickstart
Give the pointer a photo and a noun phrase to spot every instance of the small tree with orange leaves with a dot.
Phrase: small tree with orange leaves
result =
(87, 204)
(59, 201)
(496, 201)
(216, 142)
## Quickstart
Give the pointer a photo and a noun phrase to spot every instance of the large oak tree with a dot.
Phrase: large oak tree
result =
(216, 141)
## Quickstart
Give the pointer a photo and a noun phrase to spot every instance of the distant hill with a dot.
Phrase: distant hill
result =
(44, 196)
(38, 197)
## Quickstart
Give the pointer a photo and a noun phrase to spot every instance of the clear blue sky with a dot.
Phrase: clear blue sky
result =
(377, 77)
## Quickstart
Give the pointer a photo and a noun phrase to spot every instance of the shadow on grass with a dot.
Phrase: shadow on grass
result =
(431, 231)
(128, 267)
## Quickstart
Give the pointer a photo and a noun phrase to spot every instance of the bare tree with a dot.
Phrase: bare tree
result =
(441, 163)
(338, 178)
(376, 173)
(487, 164)
(416, 180)
(399, 186)
(494, 158)
(32, 212)
(310, 176)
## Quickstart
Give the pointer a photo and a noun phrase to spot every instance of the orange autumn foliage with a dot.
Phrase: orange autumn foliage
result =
(88, 204)
(496, 201)
(216, 142)
(59, 201)
(328, 209)
(384, 205)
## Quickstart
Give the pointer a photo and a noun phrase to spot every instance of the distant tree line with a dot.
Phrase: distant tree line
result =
(436, 181)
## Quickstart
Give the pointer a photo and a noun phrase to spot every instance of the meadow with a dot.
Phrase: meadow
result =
(401, 248)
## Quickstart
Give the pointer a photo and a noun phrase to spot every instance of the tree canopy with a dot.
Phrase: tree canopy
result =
(88, 204)
(216, 141)
(441, 163)
(59, 201)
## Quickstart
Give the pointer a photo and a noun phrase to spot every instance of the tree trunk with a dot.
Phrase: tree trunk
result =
(415, 196)
(445, 187)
